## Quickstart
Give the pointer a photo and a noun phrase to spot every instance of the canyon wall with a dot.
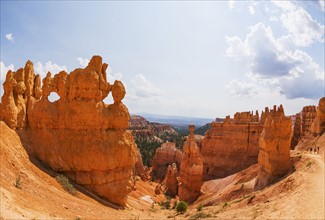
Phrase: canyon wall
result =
(231, 146)
(274, 154)
(165, 155)
(78, 134)
(191, 170)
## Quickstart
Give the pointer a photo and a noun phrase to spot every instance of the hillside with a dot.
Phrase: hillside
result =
(150, 135)
(298, 195)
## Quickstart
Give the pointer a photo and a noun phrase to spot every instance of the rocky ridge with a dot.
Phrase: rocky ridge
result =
(78, 134)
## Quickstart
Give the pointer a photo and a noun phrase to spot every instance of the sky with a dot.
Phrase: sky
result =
(187, 58)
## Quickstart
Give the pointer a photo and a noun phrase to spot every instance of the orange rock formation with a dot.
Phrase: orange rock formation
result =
(191, 170)
(274, 153)
(231, 146)
(79, 134)
(308, 116)
(170, 181)
(297, 131)
(165, 155)
(318, 125)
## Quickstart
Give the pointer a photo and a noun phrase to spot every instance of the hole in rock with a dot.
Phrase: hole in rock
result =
(53, 97)
(109, 99)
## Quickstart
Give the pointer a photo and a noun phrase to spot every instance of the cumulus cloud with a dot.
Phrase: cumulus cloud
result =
(143, 88)
(10, 37)
(231, 4)
(48, 67)
(322, 5)
(4, 69)
(111, 77)
(293, 72)
(241, 89)
(82, 62)
(299, 24)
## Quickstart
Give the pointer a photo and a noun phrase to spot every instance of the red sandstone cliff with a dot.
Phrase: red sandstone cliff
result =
(231, 146)
(78, 135)
(274, 154)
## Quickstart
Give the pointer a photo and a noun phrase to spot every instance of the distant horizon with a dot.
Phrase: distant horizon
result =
(195, 59)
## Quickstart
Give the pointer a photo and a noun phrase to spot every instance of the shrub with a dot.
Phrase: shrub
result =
(181, 207)
(200, 215)
(225, 205)
(309, 164)
(165, 204)
(199, 208)
(65, 183)
(17, 183)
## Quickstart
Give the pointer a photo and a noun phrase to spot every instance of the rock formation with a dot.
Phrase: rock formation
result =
(308, 116)
(274, 154)
(191, 170)
(318, 125)
(79, 134)
(171, 181)
(297, 131)
(165, 155)
(232, 145)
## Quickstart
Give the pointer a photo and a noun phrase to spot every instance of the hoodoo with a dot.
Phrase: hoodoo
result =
(274, 153)
(191, 170)
(78, 134)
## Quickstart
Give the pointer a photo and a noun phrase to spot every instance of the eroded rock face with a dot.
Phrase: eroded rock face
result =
(191, 170)
(274, 153)
(297, 131)
(171, 181)
(318, 125)
(79, 134)
(232, 145)
(308, 116)
(165, 155)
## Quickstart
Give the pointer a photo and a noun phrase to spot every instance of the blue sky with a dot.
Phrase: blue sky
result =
(204, 59)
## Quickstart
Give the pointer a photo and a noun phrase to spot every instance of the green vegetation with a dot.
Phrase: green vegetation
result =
(165, 204)
(148, 146)
(65, 183)
(225, 205)
(200, 215)
(17, 183)
(181, 207)
(250, 199)
(309, 164)
(199, 208)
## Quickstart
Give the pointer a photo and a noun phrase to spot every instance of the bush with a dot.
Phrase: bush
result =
(65, 183)
(165, 204)
(17, 183)
(199, 208)
(181, 207)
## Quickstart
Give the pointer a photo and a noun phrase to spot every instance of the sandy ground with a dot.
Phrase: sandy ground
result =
(299, 195)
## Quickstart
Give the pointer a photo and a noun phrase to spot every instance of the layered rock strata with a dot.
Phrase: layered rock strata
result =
(308, 116)
(165, 155)
(274, 154)
(191, 170)
(232, 145)
(78, 134)
(318, 125)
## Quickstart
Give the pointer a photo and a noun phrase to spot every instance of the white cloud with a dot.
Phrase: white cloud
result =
(143, 88)
(82, 62)
(111, 77)
(251, 9)
(42, 69)
(322, 5)
(241, 89)
(10, 37)
(272, 63)
(302, 28)
(4, 69)
(231, 4)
